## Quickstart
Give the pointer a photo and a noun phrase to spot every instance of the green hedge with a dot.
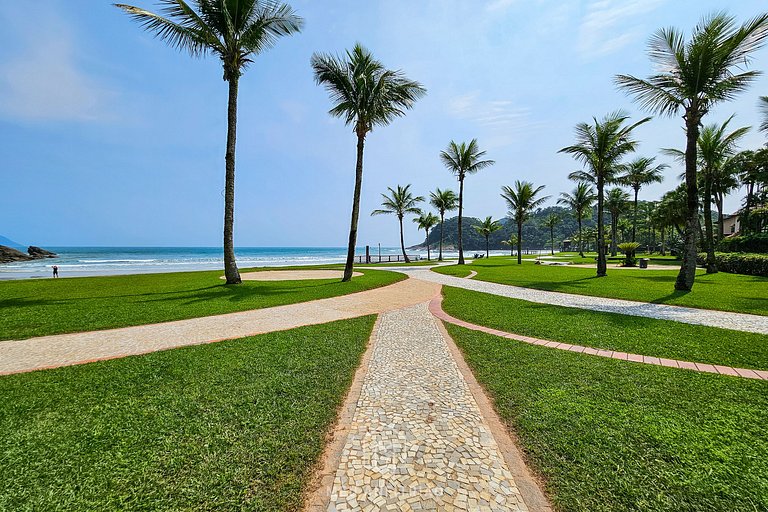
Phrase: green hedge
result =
(747, 243)
(739, 263)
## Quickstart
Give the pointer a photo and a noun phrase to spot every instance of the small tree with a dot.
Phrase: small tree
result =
(629, 248)
(399, 202)
(443, 201)
(522, 200)
(550, 222)
(511, 242)
(486, 229)
(616, 202)
(427, 221)
(580, 202)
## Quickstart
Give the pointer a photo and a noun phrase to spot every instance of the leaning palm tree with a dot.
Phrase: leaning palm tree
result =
(600, 147)
(550, 222)
(427, 221)
(715, 148)
(486, 228)
(616, 201)
(235, 32)
(463, 159)
(638, 173)
(365, 94)
(443, 201)
(511, 242)
(580, 202)
(399, 202)
(522, 200)
(693, 76)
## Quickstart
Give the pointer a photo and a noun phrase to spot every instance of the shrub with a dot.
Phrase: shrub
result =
(738, 263)
(747, 243)
(629, 248)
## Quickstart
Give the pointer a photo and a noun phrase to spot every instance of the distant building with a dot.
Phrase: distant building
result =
(731, 224)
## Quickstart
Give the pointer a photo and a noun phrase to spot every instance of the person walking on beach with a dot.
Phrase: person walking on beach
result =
(55, 271)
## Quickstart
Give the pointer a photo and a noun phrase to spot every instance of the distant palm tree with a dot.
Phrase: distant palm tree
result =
(550, 222)
(463, 159)
(235, 32)
(522, 200)
(600, 147)
(715, 148)
(638, 173)
(616, 201)
(365, 94)
(511, 242)
(694, 76)
(580, 201)
(486, 228)
(764, 112)
(427, 221)
(443, 201)
(399, 202)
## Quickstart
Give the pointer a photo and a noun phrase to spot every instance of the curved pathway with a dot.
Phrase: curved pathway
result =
(722, 319)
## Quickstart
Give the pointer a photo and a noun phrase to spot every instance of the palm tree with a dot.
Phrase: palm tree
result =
(511, 242)
(616, 201)
(486, 228)
(693, 76)
(400, 202)
(522, 200)
(638, 173)
(551, 221)
(764, 112)
(443, 201)
(600, 147)
(365, 94)
(427, 221)
(753, 171)
(714, 147)
(235, 32)
(580, 201)
(463, 159)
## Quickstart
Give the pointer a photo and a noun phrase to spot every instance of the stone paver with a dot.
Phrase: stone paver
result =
(723, 319)
(418, 440)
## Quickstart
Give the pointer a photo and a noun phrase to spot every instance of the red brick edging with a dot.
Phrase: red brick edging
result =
(436, 308)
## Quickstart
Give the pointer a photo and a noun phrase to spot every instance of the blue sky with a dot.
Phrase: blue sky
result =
(108, 137)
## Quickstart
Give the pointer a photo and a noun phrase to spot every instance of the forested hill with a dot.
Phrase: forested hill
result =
(535, 235)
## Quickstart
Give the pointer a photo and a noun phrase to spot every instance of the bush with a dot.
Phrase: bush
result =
(747, 243)
(629, 248)
(738, 263)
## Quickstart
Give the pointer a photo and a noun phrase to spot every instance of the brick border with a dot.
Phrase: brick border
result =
(436, 308)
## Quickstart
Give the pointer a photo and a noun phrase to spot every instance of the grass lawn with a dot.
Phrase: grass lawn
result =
(235, 425)
(38, 307)
(726, 292)
(610, 331)
(610, 435)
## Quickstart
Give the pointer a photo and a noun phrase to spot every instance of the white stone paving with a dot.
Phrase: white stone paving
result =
(723, 319)
(418, 440)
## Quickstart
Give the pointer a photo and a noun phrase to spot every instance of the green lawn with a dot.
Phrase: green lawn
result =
(235, 425)
(610, 435)
(37, 307)
(610, 331)
(727, 292)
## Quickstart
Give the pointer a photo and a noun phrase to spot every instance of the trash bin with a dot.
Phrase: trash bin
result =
(644, 262)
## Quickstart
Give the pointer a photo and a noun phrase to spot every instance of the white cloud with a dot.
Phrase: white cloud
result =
(499, 5)
(487, 113)
(609, 25)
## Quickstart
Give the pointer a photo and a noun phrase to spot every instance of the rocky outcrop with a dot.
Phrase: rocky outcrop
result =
(9, 254)
(37, 252)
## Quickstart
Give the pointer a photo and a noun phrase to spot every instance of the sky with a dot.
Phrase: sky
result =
(108, 137)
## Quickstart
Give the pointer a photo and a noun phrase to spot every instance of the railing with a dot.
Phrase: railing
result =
(391, 258)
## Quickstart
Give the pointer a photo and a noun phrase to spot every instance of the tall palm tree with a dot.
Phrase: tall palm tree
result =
(486, 228)
(600, 148)
(550, 222)
(365, 94)
(638, 173)
(443, 201)
(463, 159)
(522, 200)
(616, 201)
(511, 242)
(234, 31)
(427, 221)
(580, 201)
(400, 202)
(693, 76)
(714, 148)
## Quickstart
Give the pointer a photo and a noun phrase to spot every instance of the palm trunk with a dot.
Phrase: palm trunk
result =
(230, 265)
(634, 214)
(402, 241)
(552, 241)
(519, 243)
(349, 267)
(745, 227)
(487, 254)
(709, 235)
(581, 247)
(429, 258)
(720, 217)
(614, 223)
(687, 272)
(602, 266)
(663, 248)
(461, 209)
(442, 221)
